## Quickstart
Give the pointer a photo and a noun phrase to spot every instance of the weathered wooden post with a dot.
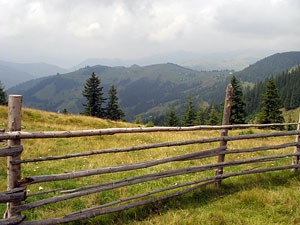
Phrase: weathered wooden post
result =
(14, 124)
(224, 132)
(297, 148)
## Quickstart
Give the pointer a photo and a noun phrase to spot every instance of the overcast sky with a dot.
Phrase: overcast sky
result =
(65, 32)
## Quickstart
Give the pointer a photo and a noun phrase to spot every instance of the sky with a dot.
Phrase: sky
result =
(66, 32)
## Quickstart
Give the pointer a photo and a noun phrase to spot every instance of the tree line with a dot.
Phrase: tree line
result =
(263, 101)
(269, 111)
(288, 89)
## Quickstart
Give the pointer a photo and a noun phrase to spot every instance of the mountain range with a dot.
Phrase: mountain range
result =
(146, 90)
(12, 73)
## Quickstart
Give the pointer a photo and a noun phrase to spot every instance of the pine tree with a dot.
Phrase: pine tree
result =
(238, 112)
(271, 105)
(94, 95)
(201, 116)
(172, 119)
(190, 113)
(113, 110)
(214, 117)
(3, 95)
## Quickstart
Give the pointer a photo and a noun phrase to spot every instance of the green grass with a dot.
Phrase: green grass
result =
(269, 198)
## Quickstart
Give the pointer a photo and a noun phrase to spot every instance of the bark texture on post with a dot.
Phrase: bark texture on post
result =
(224, 132)
(297, 148)
(13, 171)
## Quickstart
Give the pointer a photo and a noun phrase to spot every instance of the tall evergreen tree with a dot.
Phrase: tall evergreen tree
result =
(113, 110)
(3, 95)
(190, 118)
(214, 117)
(271, 105)
(201, 116)
(172, 119)
(238, 112)
(94, 95)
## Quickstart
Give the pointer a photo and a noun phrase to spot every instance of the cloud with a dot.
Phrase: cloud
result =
(264, 18)
(70, 31)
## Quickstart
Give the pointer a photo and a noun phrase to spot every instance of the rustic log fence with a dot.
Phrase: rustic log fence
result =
(16, 185)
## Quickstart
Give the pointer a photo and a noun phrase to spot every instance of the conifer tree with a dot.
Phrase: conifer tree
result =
(201, 116)
(94, 95)
(214, 117)
(113, 110)
(3, 95)
(238, 112)
(271, 105)
(172, 119)
(190, 118)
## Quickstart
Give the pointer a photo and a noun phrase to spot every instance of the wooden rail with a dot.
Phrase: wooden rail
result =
(16, 191)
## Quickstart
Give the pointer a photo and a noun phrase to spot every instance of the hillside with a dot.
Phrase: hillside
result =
(269, 66)
(251, 199)
(145, 89)
(288, 86)
(12, 74)
(149, 91)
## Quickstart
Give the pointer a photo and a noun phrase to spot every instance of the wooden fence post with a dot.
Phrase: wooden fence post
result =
(13, 171)
(297, 148)
(224, 132)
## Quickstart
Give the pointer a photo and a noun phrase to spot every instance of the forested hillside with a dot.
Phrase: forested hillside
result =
(269, 66)
(142, 90)
(287, 83)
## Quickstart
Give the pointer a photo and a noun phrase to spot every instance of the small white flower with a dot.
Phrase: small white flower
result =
(40, 188)
(28, 190)
(37, 167)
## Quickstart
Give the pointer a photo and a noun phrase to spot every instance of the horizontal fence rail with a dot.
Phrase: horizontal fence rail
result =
(160, 145)
(112, 131)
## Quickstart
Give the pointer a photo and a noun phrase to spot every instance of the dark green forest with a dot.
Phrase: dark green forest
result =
(288, 85)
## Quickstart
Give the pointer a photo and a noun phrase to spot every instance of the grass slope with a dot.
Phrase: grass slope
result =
(270, 198)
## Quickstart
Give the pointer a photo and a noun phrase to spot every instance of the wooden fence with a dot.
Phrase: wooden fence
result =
(16, 185)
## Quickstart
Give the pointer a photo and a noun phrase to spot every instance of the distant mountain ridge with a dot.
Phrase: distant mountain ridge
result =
(269, 66)
(12, 73)
(140, 89)
(147, 90)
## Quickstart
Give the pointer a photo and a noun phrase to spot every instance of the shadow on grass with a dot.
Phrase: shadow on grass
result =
(200, 197)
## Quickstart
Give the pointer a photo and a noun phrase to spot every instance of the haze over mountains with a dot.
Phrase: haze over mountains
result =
(12, 73)
(146, 90)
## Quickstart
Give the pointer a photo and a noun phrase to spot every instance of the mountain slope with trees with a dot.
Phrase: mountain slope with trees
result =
(141, 90)
(288, 88)
(151, 91)
(269, 66)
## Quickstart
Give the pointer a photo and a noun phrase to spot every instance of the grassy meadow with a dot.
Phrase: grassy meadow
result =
(269, 198)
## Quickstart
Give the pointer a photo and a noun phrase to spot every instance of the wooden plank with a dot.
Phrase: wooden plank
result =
(263, 148)
(11, 151)
(112, 131)
(224, 132)
(13, 195)
(45, 192)
(13, 171)
(13, 220)
(180, 171)
(119, 168)
(160, 145)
